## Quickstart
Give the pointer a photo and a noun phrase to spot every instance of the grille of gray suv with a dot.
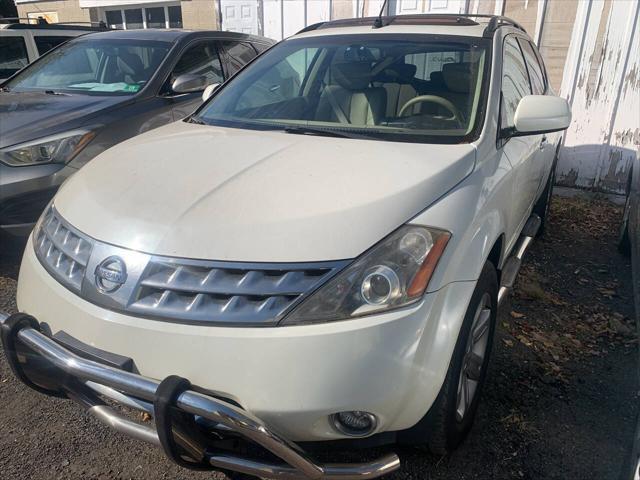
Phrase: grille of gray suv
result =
(173, 289)
(62, 251)
(223, 291)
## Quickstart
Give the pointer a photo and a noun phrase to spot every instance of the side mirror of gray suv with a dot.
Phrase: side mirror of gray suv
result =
(188, 83)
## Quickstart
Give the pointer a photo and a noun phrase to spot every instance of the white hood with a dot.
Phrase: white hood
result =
(205, 192)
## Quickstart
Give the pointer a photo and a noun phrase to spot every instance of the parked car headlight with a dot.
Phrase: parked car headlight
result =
(54, 149)
(392, 274)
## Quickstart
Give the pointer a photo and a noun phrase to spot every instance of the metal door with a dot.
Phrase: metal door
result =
(240, 16)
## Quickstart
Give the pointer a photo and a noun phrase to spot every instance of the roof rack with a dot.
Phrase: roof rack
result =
(462, 19)
(16, 23)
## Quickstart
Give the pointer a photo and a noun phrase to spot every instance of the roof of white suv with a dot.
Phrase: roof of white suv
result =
(432, 24)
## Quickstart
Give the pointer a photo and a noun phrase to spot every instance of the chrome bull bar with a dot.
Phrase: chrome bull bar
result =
(87, 378)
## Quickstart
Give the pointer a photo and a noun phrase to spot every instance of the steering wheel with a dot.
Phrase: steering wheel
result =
(443, 102)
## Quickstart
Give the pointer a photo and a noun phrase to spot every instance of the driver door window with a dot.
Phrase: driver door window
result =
(515, 83)
(200, 59)
(203, 59)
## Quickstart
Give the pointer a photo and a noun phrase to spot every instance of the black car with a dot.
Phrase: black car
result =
(94, 92)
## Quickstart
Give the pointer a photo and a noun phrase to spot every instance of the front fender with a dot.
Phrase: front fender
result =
(475, 212)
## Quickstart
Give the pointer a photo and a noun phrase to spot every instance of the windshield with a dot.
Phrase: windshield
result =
(417, 88)
(94, 66)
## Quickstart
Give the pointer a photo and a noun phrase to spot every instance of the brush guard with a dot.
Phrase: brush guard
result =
(195, 430)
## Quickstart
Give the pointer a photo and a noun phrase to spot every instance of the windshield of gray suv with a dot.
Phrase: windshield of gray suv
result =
(94, 66)
(415, 88)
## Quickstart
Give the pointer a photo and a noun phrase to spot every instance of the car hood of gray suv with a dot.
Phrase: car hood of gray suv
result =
(25, 116)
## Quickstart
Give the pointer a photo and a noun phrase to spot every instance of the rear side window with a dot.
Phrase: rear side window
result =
(239, 54)
(13, 55)
(46, 43)
(515, 82)
(261, 47)
(200, 59)
(535, 71)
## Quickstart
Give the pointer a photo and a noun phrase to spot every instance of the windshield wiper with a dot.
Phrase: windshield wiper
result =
(195, 120)
(52, 92)
(320, 131)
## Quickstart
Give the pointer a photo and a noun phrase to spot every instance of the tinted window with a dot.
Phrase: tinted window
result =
(13, 55)
(239, 54)
(535, 72)
(100, 67)
(200, 59)
(261, 47)
(175, 17)
(114, 19)
(133, 18)
(44, 44)
(515, 81)
(155, 17)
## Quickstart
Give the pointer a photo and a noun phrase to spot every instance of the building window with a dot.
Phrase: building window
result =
(113, 18)
(133, 18)
(175, 16)
(155, 17)
(162, 16)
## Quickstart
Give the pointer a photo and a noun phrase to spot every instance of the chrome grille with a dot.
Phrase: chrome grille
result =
(63, 251)
(177, 290)
(223, 292)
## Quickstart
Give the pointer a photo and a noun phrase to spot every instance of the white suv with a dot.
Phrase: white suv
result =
(317, 254)
(22, 43)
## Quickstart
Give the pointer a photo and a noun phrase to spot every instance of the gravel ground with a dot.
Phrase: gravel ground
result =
(560, 401)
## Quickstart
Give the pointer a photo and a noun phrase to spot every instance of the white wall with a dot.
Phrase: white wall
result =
(602, 82)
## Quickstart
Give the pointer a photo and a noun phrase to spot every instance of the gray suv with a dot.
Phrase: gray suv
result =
(94, 92)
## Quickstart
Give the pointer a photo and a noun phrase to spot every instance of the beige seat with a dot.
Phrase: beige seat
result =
(396, 80)
(350, 99)
(458, 79)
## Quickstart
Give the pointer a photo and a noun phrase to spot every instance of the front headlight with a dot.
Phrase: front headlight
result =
(392, 274)
(60, 148)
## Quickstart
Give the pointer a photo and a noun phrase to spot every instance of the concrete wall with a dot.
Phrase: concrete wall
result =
(556, 37)
(68, 10)
(525, 12)
(199, 14)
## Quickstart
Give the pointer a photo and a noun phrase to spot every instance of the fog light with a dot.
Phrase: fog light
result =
(354, 424)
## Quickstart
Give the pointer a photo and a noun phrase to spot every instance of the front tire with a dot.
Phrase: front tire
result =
(451, 416)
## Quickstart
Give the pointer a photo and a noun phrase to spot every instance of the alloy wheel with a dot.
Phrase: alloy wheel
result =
(474, 357)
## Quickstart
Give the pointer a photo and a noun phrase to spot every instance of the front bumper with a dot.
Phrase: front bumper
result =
(81, 380)
(25, 192)
(293, 378)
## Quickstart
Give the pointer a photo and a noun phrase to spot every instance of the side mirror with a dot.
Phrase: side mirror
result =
(188, 83)
(209, 91)
(541, 114)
